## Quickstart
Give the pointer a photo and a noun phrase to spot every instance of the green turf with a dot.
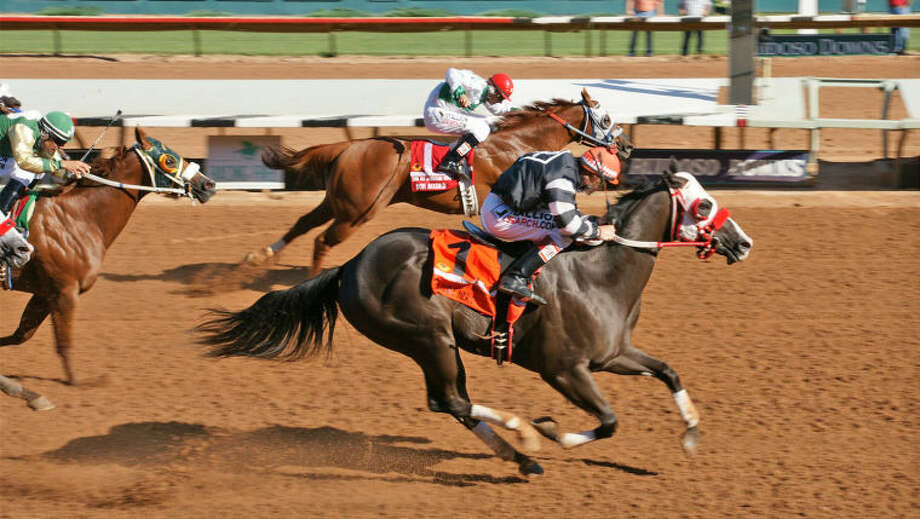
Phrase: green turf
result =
(443, 43)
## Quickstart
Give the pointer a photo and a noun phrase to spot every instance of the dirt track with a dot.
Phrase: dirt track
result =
(803, 363)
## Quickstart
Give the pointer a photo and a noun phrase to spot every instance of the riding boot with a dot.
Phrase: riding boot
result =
(11, 192)
(516, 279)
(453, 161)
(500, 328)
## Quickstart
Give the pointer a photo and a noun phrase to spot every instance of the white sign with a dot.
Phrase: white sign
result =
(235, 162)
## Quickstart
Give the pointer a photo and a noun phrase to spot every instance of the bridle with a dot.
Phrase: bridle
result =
(153, 170)
(705, 226)
(582, 135)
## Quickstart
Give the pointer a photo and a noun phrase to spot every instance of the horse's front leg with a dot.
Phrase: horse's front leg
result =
(634, 361)
(32, 317)
(62, 315)
(578, 385)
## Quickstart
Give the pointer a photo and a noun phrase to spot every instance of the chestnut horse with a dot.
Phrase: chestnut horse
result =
(72, 230)
(364, 176)
(594, 295)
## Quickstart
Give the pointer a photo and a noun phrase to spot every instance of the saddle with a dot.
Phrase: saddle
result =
(466, 268)
(425, 156)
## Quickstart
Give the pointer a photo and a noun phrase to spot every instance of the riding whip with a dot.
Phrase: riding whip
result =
(93, 145)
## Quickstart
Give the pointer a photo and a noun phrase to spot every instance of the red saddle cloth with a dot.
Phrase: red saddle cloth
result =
(467, 271)
(423, 166)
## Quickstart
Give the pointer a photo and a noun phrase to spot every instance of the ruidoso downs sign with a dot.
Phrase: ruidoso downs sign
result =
(824, 44)
(722, 166)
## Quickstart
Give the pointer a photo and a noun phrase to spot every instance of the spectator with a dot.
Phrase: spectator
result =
(643, 9)
(901, 34)
(697, 8)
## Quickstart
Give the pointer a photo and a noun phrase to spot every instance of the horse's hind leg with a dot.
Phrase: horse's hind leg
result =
(578, 385)
(634, 361)
(318, 216)
(445, 380)
(335, 234)
(32, 317)
(34, 400)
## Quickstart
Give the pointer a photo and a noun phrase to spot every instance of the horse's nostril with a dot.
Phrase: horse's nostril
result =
(745, 245)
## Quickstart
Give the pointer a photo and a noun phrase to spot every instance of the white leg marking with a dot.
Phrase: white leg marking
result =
(569, 440)
(687, 409)
(278, 245)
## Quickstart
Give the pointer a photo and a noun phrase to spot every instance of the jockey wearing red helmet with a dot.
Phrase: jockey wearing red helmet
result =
(450, 108)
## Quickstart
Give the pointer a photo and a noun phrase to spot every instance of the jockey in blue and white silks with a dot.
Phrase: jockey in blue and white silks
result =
(534, 200)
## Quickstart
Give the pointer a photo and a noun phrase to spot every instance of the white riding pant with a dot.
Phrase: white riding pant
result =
(9, 168)
(504, 223)
(445, 120)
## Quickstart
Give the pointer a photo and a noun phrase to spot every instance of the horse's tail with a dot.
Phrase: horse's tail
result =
(283, 324)
(311, 162)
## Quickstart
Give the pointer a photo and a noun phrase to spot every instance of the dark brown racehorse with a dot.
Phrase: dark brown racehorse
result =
(594, 295)
(71, 232)
(363, 177)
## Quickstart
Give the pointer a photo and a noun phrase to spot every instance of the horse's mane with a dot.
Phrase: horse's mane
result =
(528, 113)
(625, 202)
(107, 160)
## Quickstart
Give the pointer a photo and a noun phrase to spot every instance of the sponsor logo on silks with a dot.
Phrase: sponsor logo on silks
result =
(444, 267)
(502, 212)
(464, 148)
(415, 166)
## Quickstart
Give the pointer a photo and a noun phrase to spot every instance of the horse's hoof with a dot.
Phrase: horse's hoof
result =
(529, 467)
(690, 440)
(41, 404)
(259, 257)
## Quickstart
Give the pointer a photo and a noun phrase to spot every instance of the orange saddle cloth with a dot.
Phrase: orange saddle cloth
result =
(467, 271)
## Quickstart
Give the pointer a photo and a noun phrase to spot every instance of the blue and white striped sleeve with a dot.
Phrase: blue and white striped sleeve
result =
(561, 202)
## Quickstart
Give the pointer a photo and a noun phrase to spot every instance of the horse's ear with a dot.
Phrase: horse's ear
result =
(669, 176)
(586, 97)
(141, 137)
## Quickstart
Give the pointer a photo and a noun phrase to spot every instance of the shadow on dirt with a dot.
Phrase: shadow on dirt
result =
(284, 451)
(207, 279)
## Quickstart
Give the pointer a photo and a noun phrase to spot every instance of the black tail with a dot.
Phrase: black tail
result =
(284, 324)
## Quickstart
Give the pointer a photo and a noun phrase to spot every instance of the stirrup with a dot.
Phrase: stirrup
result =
(527, 297)
(455, 168)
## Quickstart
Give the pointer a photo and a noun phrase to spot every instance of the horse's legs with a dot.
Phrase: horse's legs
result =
(318, 216)
(62, 314)
(579, 386)
(32, 317)
(445, 381)
(34, 400)
(335, 234)
(502, 449)
(634, 361)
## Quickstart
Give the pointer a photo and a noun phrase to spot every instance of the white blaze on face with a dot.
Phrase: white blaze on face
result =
(742, 236)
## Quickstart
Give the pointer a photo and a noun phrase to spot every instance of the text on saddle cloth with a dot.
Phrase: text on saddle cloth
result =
(423, 163)
(467, 271)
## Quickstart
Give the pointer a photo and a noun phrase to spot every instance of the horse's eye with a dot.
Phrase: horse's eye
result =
(703, 208)
(168, 163)
(606, 121)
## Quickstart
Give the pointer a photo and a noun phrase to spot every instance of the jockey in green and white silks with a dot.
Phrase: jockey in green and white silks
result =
(450, 107)
(29, 149)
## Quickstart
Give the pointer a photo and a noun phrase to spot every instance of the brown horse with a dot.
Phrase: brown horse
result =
(72, 230)
(364, 176)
